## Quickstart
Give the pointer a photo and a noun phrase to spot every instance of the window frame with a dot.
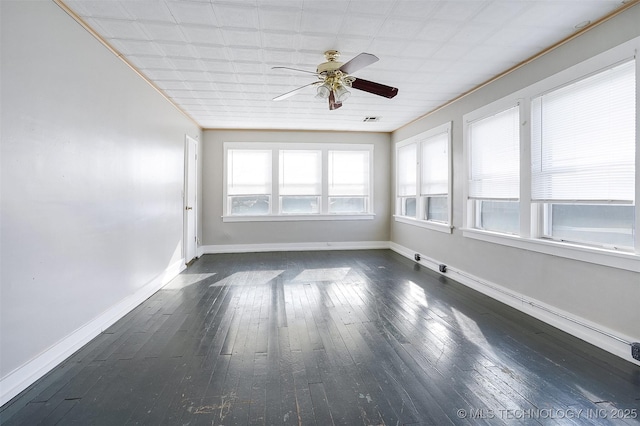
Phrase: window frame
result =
(275, 214)
(421, 203)
(282, 174)
(366, 195)
(471, 208)
(267, 194)
(531, 236)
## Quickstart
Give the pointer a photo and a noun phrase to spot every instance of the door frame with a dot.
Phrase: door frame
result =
(185, 197)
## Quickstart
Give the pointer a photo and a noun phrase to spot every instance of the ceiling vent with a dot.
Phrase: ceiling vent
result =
(366, 119)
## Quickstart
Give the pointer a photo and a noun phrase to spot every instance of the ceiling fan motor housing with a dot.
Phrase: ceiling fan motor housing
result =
(332, 63)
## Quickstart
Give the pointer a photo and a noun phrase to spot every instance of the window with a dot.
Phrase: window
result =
(558, 173)
(583, 158)
(434, 177)
(423, 179)
(248, 182)
(290, 181)
(300, 181)
(494, 171)
(349, 181)
(407, 179)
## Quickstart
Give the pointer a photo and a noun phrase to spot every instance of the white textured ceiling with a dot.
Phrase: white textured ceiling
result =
(213, 58)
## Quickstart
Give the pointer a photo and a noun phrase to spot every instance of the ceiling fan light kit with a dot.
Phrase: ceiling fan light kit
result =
(335, 79)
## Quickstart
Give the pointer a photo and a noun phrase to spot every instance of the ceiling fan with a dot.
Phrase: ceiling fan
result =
(335, 79)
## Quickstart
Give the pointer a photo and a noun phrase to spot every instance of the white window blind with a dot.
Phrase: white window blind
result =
(348, 173)
(583, 145)
(300, 172)
(435, 165)
(494, 145)
(406, 164)
(248, 172)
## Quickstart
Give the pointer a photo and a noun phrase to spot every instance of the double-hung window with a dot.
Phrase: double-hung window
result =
(553, 167)
(249, 182)
(494, 171)
(300, 181)
(295, 181)
(434, 177)
(583, 158)
(348, 181)
(423, 179)
(407, 156)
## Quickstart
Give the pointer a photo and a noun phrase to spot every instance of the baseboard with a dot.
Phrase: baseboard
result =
(595, 334)
(255, 248)
(22, 377)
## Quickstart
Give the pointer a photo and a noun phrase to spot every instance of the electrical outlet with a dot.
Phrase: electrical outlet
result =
(635, 351)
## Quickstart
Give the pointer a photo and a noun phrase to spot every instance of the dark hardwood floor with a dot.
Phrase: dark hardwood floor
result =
(344, 338)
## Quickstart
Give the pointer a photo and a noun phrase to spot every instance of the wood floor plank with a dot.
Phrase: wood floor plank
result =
(321, 409)
(321, 338)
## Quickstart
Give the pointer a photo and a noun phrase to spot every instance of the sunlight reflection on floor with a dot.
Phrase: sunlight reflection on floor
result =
(324, 274)
(248, 278)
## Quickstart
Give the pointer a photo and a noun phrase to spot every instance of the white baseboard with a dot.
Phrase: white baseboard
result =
(22, 377)
(255, 248)
(595, 334)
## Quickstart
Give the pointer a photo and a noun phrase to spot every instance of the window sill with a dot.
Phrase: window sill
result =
(434, 226)
(599, 256)
(299, 217)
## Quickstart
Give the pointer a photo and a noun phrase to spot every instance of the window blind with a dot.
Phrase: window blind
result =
(348, 173)
(583, 146)
(494, 146)
(300, 172)
(406, 164)
(248, 172)
(435, 165)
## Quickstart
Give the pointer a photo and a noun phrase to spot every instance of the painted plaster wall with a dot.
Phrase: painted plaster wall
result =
(217, 232)
(92, 181)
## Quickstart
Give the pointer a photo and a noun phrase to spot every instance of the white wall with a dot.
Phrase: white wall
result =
(278, 234)
(602, 296)
(92, 180)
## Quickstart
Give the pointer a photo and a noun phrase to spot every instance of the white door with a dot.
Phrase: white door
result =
(190, 199)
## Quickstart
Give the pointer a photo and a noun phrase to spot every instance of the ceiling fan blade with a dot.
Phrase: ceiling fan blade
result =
(294, 91)
(375, 88)
(359, 62)
(333, 104)
(294, 69)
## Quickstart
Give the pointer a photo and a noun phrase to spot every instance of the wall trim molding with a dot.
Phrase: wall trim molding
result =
(24, 376)
(596, 334)
(256, 248)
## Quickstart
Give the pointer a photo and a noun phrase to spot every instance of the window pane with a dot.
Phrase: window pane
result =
(498, 216)
(596, 224)
(406, 170)
(583, 139)
(348, 173)
(248, 172)
(435, 165)
(408, 206)
(302, 205)
(249, 205)
(300, 172)
(494, 145)
(348, 204)
(436, 209)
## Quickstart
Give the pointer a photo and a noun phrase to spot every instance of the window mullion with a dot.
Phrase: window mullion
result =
(637, 164)
(275, 205)
(324, 197)
(419, 201)
(526, 217)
